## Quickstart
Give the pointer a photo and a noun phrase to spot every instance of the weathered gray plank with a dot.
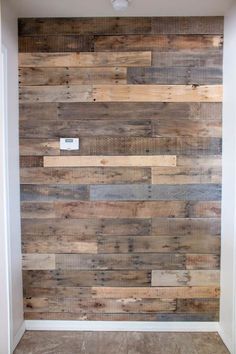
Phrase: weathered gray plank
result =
(175, 75)
(156, 192)
(54, 192)
(104, 262)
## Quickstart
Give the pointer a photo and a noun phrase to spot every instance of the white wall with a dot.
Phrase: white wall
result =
(10, 41)
(227, 312)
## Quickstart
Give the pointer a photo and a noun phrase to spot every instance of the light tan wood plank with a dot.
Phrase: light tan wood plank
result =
(185, 277)
(110, 161)
(156, 292)
(84, 59)
(157, 93)
(35, 261)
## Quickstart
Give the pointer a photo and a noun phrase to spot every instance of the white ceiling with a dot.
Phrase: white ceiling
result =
(77, 8)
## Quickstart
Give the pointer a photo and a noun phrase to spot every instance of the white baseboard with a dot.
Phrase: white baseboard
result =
(18, 335)
(226, 339)
(42, 325)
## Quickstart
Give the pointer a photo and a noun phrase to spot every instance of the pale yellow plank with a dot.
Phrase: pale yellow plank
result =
(110, 161)
(157, 93)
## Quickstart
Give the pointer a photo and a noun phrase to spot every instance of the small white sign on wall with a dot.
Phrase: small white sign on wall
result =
(69, 143)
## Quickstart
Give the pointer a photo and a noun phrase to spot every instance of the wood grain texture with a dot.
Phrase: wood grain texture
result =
(127, 228)
(83, 59)
(114, 161)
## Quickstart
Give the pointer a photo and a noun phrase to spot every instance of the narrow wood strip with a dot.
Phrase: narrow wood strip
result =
(162, 292)
(185, 227)
(99, 306)
(200, 161)
(158, 42)
(55, 43)
(83, 175)
(130, 110)
(191, 59)
(75, 93)
(31, 192)
(120, 210)
(162, 244)
(170, 317)
(128, 145)
(68, 278)
(186, 175)
(61, 291)
(114, 161)
(156, 192)
(84, 59)
(120, 262)
(92, 25)
(185, 278)
(175, 76)
(72, 76)
(153, 93)
(31, 161)
(37, 261)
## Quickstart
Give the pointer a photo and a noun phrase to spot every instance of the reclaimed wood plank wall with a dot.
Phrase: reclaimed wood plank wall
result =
(128, 227)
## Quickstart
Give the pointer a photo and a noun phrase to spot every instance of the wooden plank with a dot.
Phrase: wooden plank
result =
(83, 128)
(55, 43)
(127, 145)
(107, 262)
(202, 261)
(31, 192)
(110, 209)
(32, 147)
(188, 25)
(72, 76)
(186, 127)
(59, 244)
(31, 161)
(201, 161)
(159, 93)
(130, 110)
(38, 111)
(185, 278)
(75, 93)
(185, 227)
(57, 227)
(75, 278)
(175, 75)
(91, 25)
(61, 291)
(156, 192)
(84, 175)
(191, 59)
(186, 175)
(126, 227)
(162, 244)
(170, 317)
(82, 306)
(114, 161)
(83, 59)
(162, 43)
(155, 292)
(197, 305)
(37, 261)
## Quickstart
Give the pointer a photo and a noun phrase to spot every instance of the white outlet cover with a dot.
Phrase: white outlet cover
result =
(69, 143)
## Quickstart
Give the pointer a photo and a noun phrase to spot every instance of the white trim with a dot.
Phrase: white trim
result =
(18, 335)
(226, 339)
(43, 325)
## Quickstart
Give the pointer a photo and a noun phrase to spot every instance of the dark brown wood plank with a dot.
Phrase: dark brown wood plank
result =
(83, 175)
(162, 43)
(38, 111)
(197, 305)
(56, 43)
(137, 110)
(31, 161)
(175, 76)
